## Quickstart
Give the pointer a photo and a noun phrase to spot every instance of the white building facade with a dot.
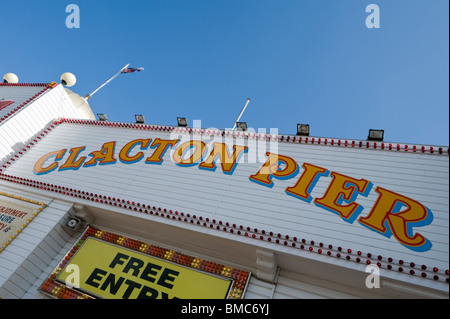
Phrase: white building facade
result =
(95, 209)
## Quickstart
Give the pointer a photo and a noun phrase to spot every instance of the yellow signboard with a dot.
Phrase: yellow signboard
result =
(106, 265)
(114, 272)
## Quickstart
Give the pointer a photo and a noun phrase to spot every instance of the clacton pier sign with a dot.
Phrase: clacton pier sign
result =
(392, 214)
(335, 202)
(354, 203)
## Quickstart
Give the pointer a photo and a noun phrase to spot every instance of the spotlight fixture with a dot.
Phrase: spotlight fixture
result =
(139, 118)
(102, 117)
(303, 129)
(182, 121)
(375, 135)
(241, 126)
(68, 79)
(72, 223)
(10, 78)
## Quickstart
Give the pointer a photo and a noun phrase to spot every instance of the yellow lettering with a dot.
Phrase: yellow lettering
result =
(124, 156)
(395, 214)
(38, 168)
(161, 146)
(273, 168)
(344, 188)
(194, 158)
(306, 182)
(227, 161)
(71, 162)
(104, 156)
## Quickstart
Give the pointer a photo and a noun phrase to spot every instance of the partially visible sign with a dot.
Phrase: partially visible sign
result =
(15, 214)
(113, 272)
(123, 268)
(4, 103)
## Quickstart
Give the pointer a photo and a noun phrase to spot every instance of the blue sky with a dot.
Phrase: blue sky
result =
(298, 61)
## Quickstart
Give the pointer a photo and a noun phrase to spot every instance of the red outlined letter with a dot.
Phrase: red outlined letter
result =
(124, 154)
(344, 189)
(227, 161)
(39, 170)
(273, 168)
(395, 214)
(306, 182)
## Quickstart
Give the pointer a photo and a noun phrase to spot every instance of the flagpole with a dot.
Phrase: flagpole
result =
(242, 111)
(88, 96)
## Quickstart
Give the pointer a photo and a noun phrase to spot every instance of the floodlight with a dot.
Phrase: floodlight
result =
(139, 118)
(102, 117)
(241, 126)
(303, 129)
(182, 121)
(376, 135)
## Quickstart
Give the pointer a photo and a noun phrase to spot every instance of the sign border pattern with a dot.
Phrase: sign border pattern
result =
(26, 223)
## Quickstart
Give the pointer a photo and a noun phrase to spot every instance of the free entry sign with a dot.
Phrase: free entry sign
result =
(111, 266)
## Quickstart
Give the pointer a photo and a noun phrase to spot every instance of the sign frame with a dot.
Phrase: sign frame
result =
(56, 288)
(20, 218)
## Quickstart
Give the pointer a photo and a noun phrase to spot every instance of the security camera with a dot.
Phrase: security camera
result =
(10, 78)
(68, 79)
(73, 223)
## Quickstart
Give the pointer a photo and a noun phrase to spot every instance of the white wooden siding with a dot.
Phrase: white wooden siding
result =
(27, 257)
(26, 123)
(66, 243)
(258, 289)
(235, 199)
(19, 94)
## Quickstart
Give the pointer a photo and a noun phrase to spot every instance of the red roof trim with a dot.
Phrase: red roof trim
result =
(31, 99)
(24, 84)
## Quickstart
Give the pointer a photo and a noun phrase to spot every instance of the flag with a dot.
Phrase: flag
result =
(131, 70)
(4, 103)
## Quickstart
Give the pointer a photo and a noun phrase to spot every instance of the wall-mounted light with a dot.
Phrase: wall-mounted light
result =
(241, 126)
(102, 117)
(303, 129)
(139, 118)
(376, 135)
(182, 121)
